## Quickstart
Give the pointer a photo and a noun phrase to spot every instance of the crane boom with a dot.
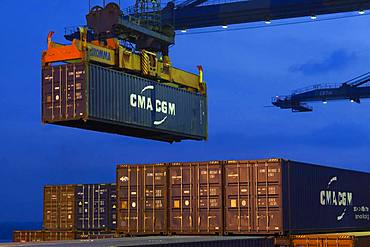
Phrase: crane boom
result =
(351, 90)
(253, 11)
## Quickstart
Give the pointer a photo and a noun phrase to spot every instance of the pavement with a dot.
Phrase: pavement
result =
(131, 241)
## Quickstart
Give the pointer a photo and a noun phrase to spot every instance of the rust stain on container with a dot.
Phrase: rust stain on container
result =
(59, 207)
(142, 199)
(195, 194)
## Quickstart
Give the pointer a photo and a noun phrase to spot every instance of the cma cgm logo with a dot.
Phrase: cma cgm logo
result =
(160, 106)
(93, 52)
(336, 198)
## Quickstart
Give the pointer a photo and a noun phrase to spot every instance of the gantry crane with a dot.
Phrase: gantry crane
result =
(353, 90)
(136, 43)
(148, 30)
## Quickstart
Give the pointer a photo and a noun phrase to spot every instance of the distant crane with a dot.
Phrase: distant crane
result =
(353, 90)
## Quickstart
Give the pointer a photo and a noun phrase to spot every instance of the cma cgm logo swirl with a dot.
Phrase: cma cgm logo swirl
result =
(146, 103)
(334, 198)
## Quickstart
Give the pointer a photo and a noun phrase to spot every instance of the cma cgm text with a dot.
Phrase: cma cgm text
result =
(333, 198)
(146, 103)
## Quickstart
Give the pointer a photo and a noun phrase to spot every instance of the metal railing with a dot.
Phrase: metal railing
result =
(316, 87)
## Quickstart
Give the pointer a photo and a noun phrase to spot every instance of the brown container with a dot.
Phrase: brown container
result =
(59, 207)
(59, 235)
(142, 199)
(332, 240)
(195, 194)
(28, 236)
(253, 197)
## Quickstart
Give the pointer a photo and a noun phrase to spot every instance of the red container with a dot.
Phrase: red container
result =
(195, 192)
(142, 199)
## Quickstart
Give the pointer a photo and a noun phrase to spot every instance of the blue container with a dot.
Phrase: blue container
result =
(96, 207)
(91, 97)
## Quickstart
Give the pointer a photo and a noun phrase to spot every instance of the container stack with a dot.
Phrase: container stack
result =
(296, 204)
(243, 197)
(71, 212)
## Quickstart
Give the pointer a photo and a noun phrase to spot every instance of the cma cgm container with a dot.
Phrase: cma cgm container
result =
(80, 207)
(142, 199)
(91, 97)
(195, 198)
(245, 197)
(277, 196)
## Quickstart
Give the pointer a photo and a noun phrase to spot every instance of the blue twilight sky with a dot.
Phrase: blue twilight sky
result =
(243, 69)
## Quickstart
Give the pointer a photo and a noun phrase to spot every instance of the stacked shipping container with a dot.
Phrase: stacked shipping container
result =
(268, 197)
(80, 207)
(142, 193)
(75, 212)
(235, 197)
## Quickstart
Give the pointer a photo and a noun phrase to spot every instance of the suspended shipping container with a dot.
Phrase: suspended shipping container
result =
(91, 97)
(80, 207)
(248, 197)
(142, 199)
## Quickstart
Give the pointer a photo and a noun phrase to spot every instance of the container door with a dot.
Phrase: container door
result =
(268, 206)
(51, 201)
(67, 207)
(181, 199)
(155, 199)
(238, 197)
(208, 194)
(130, 215)
(63, 92)
(196, 198)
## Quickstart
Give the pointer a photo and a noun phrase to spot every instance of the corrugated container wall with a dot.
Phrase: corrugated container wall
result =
(80, 207)
(318, 199)
(28, 236)
(253, 197)
(347, 240)
(91, 97)
(142, 199)
(248, 197)
(96, 206)
(59, 235)
(195, 192)
(59, 207)
(276, 196)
